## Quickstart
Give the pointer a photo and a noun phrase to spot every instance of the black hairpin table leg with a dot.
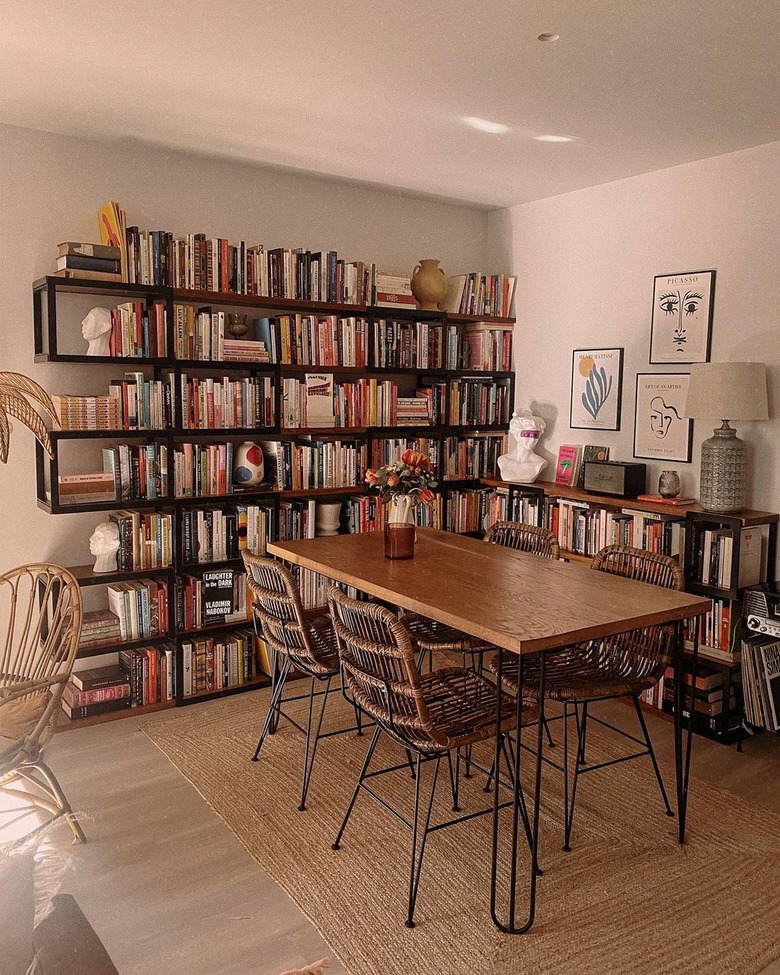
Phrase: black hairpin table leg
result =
(509, 924)
(682, 742)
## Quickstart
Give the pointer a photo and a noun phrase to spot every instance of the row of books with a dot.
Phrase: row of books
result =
(141, 606)
(152, 673)
(215, 535)
(414, 345)
(215, 663)
(145, 539)
(323, 340)
(315, 464)
(479, 294)
(214, 596)
(761, 682)
(222, 403)
(473, 457)
(202, 469)
(384, 450)
(140, 471)
(138, 330)
(716, 631)
(320, 402)
(524, 508)
(143, 404)
(198, 263)
(468, 510)
(713, 555)
(203, 335)
(586, 530)
(487, 347)
(479, 402)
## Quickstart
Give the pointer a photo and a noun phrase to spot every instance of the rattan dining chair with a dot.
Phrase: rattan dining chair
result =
(623, 665)
(434, 637)
(40, 625)
(431, 715)
(298, 640)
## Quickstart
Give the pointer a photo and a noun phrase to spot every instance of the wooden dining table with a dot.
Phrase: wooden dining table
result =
(520, 603)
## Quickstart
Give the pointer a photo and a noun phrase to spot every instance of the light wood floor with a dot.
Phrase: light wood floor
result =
(169, 889)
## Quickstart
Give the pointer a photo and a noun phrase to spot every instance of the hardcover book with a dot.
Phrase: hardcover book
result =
(568, 467)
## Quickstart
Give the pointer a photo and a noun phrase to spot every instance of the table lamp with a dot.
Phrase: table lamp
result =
(726, 391)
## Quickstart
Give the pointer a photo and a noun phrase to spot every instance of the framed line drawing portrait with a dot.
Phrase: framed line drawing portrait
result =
(681, 327)
(596, 389)
(661, 430)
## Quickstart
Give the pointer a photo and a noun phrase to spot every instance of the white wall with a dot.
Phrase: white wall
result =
(585, 263)
(50, 190)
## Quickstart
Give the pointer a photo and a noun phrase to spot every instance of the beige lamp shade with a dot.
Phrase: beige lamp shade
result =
(727, 391)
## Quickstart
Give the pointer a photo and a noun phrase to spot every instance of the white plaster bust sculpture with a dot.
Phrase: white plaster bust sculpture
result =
(104, 544)
(523, 463)
(96, 329)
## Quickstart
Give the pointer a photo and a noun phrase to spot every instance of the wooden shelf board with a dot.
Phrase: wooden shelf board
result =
(260, 301)
(85, 575)
(114, 646)
(66, 725)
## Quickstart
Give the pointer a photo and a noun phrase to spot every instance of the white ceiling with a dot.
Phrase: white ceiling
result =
(377, 91)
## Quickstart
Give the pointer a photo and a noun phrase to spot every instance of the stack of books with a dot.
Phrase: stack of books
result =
(99, 626)
(86, 488)
(96, 691)
(244, 350)
(412, 411)
(99, 262)
(393, 290)
(87, 412)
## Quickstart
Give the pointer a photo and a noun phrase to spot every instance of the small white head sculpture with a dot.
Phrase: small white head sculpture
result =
(523, 464)
(104, 544)
(96, 329)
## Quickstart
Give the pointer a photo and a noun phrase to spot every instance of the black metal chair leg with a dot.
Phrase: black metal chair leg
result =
(582, 728)
(273, 706)
(410, 762)
(308, 766)
(369, 755)
(453, 782)
(651, 753)
(569, 817)
(417, 859)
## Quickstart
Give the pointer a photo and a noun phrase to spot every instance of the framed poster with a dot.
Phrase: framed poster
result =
(682, 317)
(661, 430)
(596, 389)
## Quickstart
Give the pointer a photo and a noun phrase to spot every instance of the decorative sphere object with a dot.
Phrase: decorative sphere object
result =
(669, 484)
(248, 466)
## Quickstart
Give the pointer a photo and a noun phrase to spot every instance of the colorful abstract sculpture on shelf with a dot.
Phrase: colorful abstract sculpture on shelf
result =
(248, 465)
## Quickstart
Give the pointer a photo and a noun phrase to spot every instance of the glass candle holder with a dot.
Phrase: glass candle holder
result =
(669, 484)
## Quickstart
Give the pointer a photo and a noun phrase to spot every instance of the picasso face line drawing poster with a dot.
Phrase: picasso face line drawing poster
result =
(682, 317)
(596, 389)
(661, 429)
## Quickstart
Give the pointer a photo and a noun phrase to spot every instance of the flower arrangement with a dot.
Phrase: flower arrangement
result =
(408, 479)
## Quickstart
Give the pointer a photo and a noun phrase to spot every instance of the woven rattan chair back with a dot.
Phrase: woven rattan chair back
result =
(379, 670)
(648, 651)
(524, 538)
(40, 625)
(277, 605)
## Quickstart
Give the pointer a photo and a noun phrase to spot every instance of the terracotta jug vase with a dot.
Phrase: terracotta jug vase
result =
(429, 285)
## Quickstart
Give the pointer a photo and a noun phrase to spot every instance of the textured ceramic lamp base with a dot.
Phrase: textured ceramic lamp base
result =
(723, 472)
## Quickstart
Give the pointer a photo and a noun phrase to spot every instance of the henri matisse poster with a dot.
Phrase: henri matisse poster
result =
(596, 388)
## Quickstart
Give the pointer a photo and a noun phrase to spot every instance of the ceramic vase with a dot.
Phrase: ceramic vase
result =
(328, 518)
(429, 285)
(400, 528)
(248, 467)
(669, 484)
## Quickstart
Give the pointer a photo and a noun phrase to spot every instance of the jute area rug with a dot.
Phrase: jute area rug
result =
(627, 899)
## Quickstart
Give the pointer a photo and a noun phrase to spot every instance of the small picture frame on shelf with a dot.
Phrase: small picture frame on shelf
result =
(661, 429)
(681, 328)
(596, 389)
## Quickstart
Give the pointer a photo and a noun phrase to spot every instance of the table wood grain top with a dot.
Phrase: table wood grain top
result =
(517, 601)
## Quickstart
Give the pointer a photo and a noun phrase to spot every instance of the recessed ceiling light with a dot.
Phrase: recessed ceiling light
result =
(549, 37)
(554, 138)
(484, 125)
